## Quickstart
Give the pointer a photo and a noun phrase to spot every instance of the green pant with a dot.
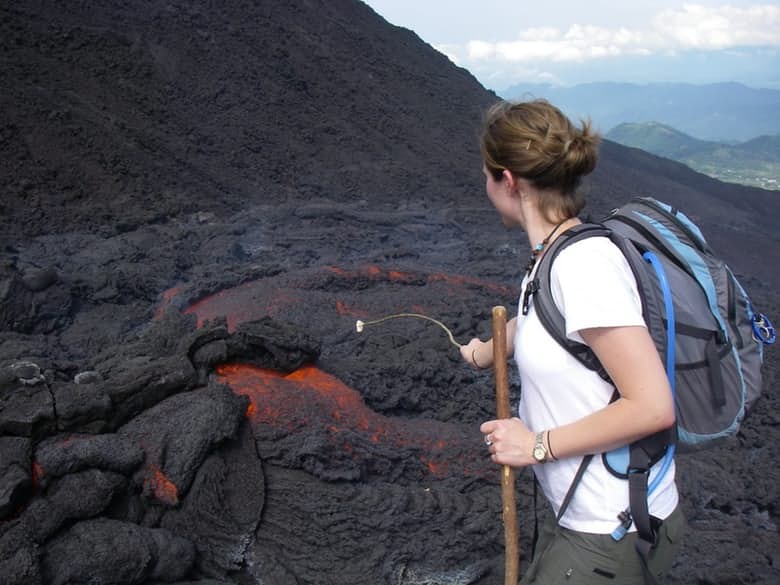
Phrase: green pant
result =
(568, 557)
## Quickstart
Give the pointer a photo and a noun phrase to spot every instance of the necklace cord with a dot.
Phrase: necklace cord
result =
(539, 247)
(537, 250)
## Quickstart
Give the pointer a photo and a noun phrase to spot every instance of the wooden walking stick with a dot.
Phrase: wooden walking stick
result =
(511, 544)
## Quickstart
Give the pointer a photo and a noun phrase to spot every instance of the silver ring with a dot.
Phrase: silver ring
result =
(488, 442)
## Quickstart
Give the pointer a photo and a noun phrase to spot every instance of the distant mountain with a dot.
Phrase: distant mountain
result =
(725, 112)
(658, 139)
(755, 162)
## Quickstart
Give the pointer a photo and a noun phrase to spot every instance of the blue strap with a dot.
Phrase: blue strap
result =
(626, 517)
(671, 332)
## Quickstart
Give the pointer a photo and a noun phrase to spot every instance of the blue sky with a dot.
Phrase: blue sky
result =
(566, 42)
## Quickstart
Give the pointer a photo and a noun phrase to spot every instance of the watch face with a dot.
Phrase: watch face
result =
(539, 452)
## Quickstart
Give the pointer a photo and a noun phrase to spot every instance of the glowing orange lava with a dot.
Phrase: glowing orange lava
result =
(287, 399)
(245, 302)
(167, 297)
(314, 401)
(163, 488)
(291, 296)
(345, 310)
(311, 402)
(455, 280)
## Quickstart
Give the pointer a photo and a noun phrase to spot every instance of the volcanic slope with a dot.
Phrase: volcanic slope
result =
(315, 165)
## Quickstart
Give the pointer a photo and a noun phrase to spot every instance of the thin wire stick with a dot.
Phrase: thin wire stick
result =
(360, 324)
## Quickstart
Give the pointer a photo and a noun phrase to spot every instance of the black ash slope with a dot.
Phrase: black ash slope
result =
(201, 145)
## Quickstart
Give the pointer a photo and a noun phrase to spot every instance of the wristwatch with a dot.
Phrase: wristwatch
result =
(540, 451)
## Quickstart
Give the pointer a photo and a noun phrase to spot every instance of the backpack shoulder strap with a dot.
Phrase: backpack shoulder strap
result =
(540, 289)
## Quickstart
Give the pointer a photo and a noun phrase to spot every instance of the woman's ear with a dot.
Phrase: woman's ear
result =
(518, 187)
(510, 179)
(523, 188)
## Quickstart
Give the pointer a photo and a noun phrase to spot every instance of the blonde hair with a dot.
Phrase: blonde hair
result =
(534, 140)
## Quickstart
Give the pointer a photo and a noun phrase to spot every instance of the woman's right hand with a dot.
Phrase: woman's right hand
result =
(477, 353)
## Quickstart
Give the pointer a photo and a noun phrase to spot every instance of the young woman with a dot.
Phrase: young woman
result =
(534, 160)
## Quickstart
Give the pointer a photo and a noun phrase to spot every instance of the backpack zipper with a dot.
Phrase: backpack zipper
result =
(732, 308)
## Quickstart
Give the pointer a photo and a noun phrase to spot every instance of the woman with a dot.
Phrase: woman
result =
(534, 160)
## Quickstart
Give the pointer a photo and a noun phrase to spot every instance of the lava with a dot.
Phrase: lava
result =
(167, 298)
(312, 402)
(243, 303)
(334, 290)
(317, 408)
(161, 487)
(379, 274)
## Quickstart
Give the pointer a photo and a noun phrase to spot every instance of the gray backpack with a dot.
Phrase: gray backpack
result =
(703, 325)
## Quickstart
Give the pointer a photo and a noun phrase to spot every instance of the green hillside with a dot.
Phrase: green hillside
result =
(755, 162)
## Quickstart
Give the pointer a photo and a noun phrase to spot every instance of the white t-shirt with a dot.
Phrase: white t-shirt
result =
(593, 286)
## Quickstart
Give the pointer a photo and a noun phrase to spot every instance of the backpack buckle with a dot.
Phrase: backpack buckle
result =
(625, 523)
(530, 289)
(763, 331)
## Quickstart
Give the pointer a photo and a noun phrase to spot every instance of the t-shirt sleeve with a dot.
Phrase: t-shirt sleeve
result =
(593, 286)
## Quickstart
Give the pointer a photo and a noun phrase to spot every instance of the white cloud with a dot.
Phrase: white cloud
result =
(638, 41)
(693, 26)
(481, 50)
(540, 34)
(698, 27)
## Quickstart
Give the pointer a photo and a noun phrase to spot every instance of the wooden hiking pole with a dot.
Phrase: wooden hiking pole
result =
(511, 544)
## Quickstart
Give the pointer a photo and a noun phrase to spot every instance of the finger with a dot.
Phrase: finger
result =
(488, 427)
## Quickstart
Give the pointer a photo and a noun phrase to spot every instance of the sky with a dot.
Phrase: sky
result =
(568, 42)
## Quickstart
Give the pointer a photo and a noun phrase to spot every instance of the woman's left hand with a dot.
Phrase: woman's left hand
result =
(510, 442)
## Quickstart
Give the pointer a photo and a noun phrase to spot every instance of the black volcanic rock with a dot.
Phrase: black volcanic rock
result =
(199, 201)
(121, 553)
(27, 411)
(76, 496)
(60, 455)
(223, 508)
(294, 101)
(178, 433)
(16, 468)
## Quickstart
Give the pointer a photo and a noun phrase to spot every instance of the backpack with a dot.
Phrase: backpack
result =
(703, 325)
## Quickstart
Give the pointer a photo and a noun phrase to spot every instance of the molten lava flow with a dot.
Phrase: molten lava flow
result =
(168, 296)
(163, 488)
(454, 280)
(337, 291)
(245, 302)
(313, 401)
(345, 310)
(291, 399)
(327, 416)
